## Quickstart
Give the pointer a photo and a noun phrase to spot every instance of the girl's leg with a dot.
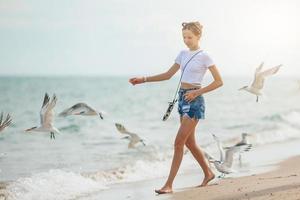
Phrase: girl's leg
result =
(198, 155)
(186, 127)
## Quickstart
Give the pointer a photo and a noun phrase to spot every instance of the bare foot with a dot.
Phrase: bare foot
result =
(164, 190)
(207, 179)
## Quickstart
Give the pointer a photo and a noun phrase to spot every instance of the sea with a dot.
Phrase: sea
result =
(88, 159)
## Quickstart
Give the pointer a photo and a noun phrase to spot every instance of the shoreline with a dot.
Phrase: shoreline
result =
(281, 183)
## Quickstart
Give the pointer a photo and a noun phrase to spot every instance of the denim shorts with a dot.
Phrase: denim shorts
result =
(194, 109)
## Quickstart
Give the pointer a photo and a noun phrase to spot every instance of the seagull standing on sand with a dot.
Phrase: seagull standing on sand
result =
(259, 79)
(46, 117)
(4, 122)
(226, 158)
(132, 137)
(81, 109)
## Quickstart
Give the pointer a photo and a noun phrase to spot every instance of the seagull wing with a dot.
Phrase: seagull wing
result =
(81, 106)
(208, 156)
(259, 68)
(121, 128)
(271, 71)
(220, 147)
(66, 112)
(240, 143)
(258, 82)
(44, 107)
(259, 79)
(46, 100)
(231, 151)
(88, 107)
(48, 115)
(134, 136)
(6, 122)
(229, 156)
(73, 109)
(132, 143)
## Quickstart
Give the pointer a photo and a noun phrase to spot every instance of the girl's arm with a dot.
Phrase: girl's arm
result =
(189, 96)
(159, 77)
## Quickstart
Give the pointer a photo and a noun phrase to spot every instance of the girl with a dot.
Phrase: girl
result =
(191, 105)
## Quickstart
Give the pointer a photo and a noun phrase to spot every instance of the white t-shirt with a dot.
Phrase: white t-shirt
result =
(196, 68)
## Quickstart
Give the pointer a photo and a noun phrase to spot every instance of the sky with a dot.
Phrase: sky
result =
(138, 37)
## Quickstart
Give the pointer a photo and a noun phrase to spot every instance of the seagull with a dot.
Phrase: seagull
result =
(132, 137)
(4, 122)
(243, 142)
(259, 79)
(80, 109)
(224, 165)
(46, 117)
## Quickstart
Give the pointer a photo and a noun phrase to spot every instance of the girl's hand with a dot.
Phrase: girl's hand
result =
(137, 80)
(191, 95)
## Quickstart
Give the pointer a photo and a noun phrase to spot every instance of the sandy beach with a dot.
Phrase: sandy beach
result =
(282, 183)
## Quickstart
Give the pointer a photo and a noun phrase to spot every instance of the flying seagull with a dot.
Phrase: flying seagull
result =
(132, 137)
(80, 109)
(259, 78)
(46, 117)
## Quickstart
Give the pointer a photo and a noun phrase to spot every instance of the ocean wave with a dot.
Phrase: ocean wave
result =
(283, 134)
(277, 127)
(140, 170)
(240, 126)
(291, 116)
(59, 184)
(52, 185)
(284, 127)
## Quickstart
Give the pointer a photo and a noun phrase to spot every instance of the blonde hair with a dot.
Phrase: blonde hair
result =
(195, 27)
